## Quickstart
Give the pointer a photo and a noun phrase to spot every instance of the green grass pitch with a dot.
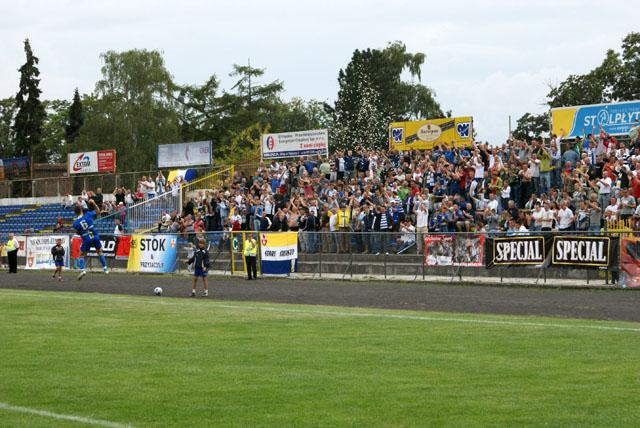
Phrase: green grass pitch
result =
(147, 361)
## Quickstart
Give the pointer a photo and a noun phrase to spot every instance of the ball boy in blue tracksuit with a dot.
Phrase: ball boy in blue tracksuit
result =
(200, 261)
(57, 252)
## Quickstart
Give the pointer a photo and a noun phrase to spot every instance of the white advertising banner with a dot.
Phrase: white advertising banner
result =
(184, 154)
(294, 144)
(92, 162)
(39, 251)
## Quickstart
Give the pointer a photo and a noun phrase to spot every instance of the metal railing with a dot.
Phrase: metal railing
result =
(147, 215)
(59, 186)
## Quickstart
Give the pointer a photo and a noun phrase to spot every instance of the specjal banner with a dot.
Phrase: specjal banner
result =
(424, 134)
(614, 118)
(516, 251)
(558, 251)
(454, 250)
(585, 251)
(153, 253)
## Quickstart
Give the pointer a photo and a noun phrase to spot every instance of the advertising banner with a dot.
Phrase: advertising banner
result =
(112, 247)
(516, 251)
(16, 168)
(294, 144)
(278, 253)
(629, 262)
(92, 162)
(438, 250)
(424, 134)
(468, 250)
(615, 119)
(153, 253)
(454, 250)
(184, 154)
(584, 251)
(39, 251)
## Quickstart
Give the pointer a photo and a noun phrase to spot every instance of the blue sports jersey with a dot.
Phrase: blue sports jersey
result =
(84, 226)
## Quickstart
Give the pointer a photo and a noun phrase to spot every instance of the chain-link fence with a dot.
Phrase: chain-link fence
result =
(552, 258)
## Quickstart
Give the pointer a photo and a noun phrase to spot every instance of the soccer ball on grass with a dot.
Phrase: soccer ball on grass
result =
(157, 291)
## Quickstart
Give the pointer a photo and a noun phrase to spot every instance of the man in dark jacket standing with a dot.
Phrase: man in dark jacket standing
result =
(382, 225)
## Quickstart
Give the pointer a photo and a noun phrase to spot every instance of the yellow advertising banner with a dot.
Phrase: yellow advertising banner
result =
(424, 134)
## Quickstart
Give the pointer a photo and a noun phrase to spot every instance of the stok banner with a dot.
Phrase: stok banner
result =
(153, 253)
(516, 251)
(585, 251)
(278, 253)
(112, 247)
(294, 144)
(615, 119)
(454, 250)
(39, 251)
(424, 134)
(87, 162)
(184, 154)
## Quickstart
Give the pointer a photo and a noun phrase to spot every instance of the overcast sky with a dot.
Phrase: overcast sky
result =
(488, 59)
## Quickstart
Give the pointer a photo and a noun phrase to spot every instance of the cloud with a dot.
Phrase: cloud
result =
(488, 59)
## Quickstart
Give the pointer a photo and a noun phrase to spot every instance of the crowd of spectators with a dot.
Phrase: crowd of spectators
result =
(521, 186)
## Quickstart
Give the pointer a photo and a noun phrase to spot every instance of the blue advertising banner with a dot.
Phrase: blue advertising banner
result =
(15, 168)
(615, 119)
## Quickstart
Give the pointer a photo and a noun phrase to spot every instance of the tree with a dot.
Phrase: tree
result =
(299, 115)
(75, 119)
(7, 114)
(628, 84)
(30, 111)
(597, 86)
(616, 79)
(131, 110)
(365, 125)
(53, 142)
(249, 105)
(531, 126)
(198, 110)
(393, 98)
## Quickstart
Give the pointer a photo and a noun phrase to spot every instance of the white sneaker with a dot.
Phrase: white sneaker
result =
(106, 271)
(205, 293)
(83, 273)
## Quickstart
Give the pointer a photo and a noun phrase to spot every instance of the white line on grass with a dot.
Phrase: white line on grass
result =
(423, 318)
(46, 414)
(143, 299)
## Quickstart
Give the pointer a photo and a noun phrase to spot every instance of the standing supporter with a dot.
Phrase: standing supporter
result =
(250, 256)
(11, 247)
